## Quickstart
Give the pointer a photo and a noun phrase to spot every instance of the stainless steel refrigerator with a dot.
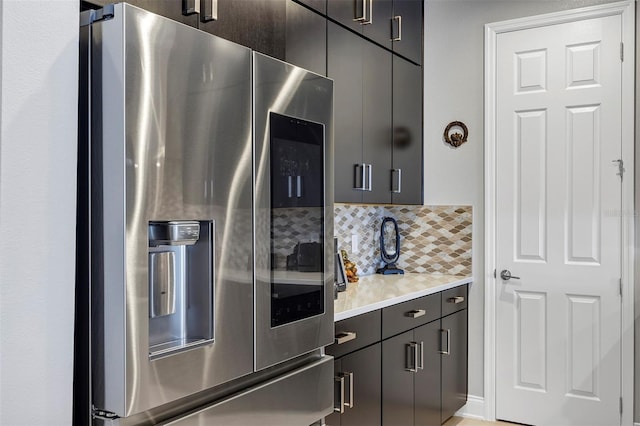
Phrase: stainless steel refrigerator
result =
(205, 229)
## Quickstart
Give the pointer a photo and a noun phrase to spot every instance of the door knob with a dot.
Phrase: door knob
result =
(505, 274)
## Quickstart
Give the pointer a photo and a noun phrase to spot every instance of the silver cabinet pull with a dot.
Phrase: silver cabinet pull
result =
(398, 189)
(363, 177)
(370, 20)
(421, 364)
(370, 169)
(416, 313)
(298, 186)
(456, 300)
(345, 337)
(505, 274)
(412, 357)
(340, 408)
(289, 186)
(209, 10)
(350, 376)
(357, 18)
(446, 339)
(399, 20)
(189, 7)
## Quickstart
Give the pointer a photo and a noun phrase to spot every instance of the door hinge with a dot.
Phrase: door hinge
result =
(621, 169)
(620, 286)
(97, 413)
(621, 51)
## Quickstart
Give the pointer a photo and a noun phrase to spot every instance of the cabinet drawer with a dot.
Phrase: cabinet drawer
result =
(410, 314)
(454, 300)
(355, 333)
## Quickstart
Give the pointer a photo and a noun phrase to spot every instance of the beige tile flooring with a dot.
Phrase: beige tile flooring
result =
(461, 421)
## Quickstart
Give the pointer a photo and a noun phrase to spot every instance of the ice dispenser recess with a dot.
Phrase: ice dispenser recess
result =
(181, 281)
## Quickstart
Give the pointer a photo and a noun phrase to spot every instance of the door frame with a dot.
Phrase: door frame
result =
(627, 11)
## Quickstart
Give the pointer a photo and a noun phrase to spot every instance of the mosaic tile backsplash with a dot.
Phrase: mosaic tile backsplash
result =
(433, 239)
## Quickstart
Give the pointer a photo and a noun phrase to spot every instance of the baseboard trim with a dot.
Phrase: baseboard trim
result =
(474, 408)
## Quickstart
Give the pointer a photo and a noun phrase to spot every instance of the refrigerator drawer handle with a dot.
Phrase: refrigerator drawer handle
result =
(345, 337)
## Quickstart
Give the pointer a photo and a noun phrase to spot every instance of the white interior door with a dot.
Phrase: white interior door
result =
(558, 225)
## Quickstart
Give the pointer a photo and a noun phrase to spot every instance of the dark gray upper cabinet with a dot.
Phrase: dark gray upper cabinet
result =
(407, 29)
(349, 13)
(306, 38)
(369, 163)
(344, 66)
(376, 122)
(318, 5)
(406, 176)
(258, 24)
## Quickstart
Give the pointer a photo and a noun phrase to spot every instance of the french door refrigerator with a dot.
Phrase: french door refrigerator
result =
(204, 262)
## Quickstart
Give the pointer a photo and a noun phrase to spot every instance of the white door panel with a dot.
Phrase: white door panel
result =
(558, 224)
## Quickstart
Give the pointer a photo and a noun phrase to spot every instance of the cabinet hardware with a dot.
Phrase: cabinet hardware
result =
(345, 337)
(447, 339)
(350, 376)
(456, 300)
(398, 19)
(209, 9)
(289, 186)
(363, 177)
(363, 16)
(421, 364)
(370, 169)
(398, 188)
(412, 357)
(190, 7)
(340, 408)
(370, 20)
(298, 186)
(416, 313)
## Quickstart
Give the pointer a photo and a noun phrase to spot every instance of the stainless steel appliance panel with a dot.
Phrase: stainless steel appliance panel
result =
(293, 92)
(298, 398)
(175, 145)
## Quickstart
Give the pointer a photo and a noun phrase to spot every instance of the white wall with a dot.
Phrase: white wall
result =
(453, 90)
(38, 137)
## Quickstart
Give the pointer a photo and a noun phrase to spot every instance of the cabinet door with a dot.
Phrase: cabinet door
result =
(365, 365)
(362, 382)
(427, 383)
(306, 38)
(376, 124)
(258, 24)
(454, 364)
(407, 178)
(397, 392)
(344, 66)
(408, 17)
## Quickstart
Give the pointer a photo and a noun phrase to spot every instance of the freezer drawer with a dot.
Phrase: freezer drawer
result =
(298, 398)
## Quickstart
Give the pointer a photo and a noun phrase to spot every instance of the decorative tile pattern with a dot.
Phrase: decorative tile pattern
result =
(433, 239)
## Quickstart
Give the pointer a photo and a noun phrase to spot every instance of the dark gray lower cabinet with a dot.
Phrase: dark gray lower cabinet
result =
(454, 363)
(411, 377)
(357, 388)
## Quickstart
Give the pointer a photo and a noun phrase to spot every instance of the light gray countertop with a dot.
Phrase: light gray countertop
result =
(379, 291)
